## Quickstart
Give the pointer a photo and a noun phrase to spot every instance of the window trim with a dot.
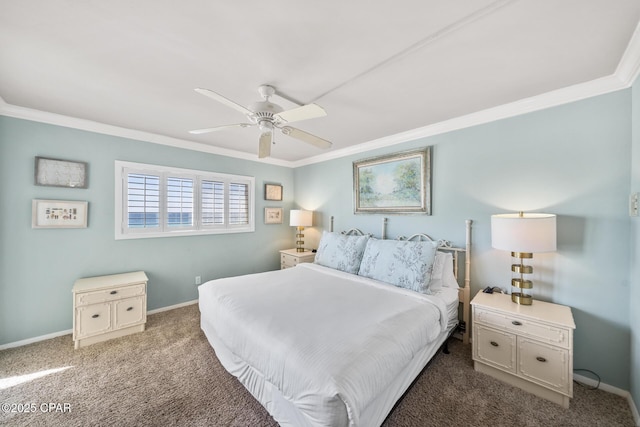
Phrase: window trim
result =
(123, 168)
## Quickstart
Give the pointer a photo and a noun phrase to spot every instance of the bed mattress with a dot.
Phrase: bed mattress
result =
(319, 347)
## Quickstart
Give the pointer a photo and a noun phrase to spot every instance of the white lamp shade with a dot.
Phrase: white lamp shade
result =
(532, 232)
(300, 218)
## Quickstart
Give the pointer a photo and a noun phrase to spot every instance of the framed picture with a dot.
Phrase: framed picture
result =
(396, 183)
(273, 192)
(58, 214)
(60, 173)
(273, 215)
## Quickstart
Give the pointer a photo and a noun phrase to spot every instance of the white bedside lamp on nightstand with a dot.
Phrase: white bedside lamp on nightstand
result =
(523, 234)
(300, 219)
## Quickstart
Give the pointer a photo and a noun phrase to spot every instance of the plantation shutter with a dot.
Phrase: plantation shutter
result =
(238, 204)
(143, 201)
(212, 202)
(180, 202)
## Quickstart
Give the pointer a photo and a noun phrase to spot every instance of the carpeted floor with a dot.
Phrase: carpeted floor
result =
(169, 376)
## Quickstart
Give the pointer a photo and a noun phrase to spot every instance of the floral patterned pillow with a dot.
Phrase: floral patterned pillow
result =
(400, 263)
(340, 251)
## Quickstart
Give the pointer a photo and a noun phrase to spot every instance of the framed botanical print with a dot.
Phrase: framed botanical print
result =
(273, 215)
(273, 192)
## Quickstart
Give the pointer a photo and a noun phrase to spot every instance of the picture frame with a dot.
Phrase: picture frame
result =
(273, 192)
(273, 215)
(59, 214)
(60, 173)
(398, 183)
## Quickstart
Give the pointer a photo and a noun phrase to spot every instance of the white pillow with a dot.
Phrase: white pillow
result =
(443, 276)
(438, 268)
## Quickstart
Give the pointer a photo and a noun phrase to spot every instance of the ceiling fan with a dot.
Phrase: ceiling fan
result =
(269, 116)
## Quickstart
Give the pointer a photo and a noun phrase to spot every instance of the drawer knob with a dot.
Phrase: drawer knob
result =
(113, 292)
(515, 322)
(541, 359)
(130, 308)
(495, 344)
(95, 316)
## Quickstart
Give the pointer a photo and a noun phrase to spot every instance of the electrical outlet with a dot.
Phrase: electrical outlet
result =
(633, 204)
(198, 280)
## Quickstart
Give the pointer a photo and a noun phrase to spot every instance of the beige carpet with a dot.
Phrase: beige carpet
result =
(169, 375)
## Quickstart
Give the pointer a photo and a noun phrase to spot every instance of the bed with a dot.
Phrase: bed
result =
(338, 342)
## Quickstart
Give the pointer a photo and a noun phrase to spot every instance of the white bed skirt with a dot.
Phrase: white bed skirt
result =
(286, 414)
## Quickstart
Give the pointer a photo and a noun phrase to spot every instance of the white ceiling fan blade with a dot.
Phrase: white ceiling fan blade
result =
(221, 99)
(217, 128)
(309, 111)
(306, 137)
(264, 149)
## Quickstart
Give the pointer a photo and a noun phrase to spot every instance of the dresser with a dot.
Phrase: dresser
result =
(527, 346)
(106, 307)
(290, 258)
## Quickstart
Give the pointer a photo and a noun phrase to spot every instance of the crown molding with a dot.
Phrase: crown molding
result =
(624, 76)
(540, 102)
(97, 127)
(629, 65)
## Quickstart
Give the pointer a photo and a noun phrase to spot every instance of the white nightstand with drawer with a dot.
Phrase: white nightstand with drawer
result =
(290, 258)
(528, 346)
(106, 307)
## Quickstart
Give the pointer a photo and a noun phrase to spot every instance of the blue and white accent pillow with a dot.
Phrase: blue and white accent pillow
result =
(340, 251)
(401, 263)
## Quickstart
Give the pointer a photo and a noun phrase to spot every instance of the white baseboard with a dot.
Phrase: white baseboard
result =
(611, 389)
(35, 339)
(171, 307)
(70, 331)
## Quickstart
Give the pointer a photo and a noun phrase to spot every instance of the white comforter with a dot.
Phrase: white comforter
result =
(330, 341)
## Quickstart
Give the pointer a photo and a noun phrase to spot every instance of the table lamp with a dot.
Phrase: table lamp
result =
(300, 219)
(523, 234)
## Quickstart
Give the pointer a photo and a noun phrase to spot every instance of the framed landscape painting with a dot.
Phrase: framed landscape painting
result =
(395, 183)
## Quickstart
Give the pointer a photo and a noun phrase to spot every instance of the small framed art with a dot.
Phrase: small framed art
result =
(58, 214)
(273, 192)
(60, 173)
(273, 215)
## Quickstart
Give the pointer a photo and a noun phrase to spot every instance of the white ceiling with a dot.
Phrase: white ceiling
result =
(378, 68)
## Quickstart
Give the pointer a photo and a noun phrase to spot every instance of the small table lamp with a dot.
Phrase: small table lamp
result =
(300, 219)
(523, 234)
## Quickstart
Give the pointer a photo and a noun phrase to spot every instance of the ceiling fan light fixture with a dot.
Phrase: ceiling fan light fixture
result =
(265, 125)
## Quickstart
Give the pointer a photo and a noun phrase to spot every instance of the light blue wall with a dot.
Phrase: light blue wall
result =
(38, 267)
(635, 250)
(571, 160)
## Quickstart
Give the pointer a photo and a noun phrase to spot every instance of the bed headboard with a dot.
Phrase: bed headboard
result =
(464, 294)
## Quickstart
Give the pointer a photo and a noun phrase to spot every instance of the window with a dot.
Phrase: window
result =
(157, 201)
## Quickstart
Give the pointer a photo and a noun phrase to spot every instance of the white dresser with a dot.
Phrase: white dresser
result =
(530, 347)
(290, 258)
(106, 307)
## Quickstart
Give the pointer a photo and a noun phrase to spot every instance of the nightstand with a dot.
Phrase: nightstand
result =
(527, 346)
(290, 258)
(106, 307)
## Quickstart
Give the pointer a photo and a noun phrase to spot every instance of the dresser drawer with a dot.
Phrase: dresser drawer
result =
(92, 320)
(524, 327)
(130, 311)
(105, 295)
(496, 348)
(544, 364)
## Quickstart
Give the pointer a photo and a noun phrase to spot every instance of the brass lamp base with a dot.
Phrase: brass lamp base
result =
(521, 298)
(299, 239)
